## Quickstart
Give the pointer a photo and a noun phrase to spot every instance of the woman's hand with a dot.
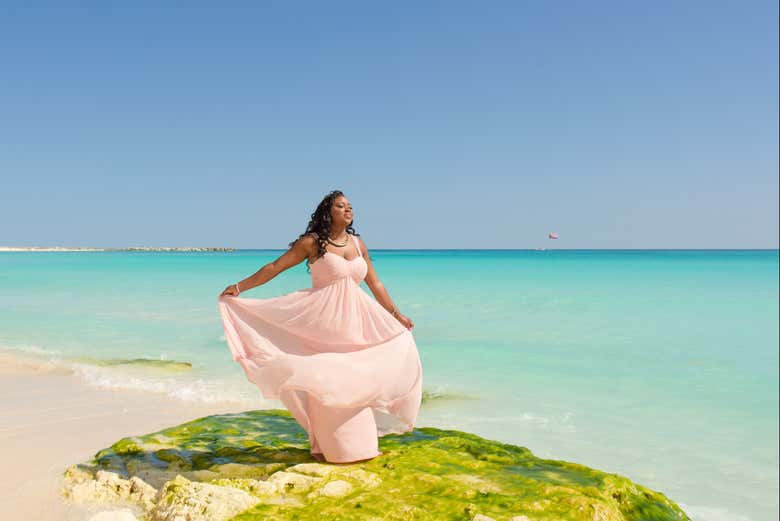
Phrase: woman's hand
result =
(231, 290)
(406, 321)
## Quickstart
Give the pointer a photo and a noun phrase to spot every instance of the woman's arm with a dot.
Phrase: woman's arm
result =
(299, 252)
(380, 292)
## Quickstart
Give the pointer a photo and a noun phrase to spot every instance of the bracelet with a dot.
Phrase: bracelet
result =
(238, 291)
(395, 310)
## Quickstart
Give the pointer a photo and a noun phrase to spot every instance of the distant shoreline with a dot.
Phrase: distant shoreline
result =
(63, 248)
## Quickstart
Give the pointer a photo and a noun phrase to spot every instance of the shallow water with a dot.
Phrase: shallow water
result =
(658, 365)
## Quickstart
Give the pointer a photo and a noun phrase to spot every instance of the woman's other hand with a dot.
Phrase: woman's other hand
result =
(230, 291)
(406, 321)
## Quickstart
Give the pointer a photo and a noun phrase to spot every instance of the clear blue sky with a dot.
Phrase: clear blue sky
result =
(448, 124)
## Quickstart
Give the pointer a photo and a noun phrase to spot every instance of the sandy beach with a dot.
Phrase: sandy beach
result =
(50, 420)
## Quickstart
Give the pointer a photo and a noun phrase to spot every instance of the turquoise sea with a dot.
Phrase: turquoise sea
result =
(661, 365)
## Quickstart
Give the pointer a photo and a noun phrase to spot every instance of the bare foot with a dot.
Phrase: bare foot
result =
(319, 456)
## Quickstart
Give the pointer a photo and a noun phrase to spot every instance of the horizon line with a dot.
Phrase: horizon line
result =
(212, 248)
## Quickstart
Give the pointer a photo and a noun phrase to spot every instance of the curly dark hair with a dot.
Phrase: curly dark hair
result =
(319, 225)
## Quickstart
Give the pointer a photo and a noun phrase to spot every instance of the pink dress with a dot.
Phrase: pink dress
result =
(345, 368)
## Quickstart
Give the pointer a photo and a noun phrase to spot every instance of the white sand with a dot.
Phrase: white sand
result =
(50, 420)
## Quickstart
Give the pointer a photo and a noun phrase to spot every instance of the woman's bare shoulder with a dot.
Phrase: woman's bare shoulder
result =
(308, 241)
(304, 247)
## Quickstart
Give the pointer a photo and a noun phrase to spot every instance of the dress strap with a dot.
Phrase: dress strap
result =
(357, 245)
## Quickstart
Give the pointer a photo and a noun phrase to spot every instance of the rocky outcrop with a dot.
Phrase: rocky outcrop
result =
(256, 466)
(182, 499)
(108, 487)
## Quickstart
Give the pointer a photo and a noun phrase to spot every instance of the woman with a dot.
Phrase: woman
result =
(344, 364)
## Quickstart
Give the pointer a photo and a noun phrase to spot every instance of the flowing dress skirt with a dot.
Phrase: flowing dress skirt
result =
(343, 366)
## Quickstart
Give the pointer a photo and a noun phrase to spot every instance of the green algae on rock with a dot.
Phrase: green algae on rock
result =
(256, 466)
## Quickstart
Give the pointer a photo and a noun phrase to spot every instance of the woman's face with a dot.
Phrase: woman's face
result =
(341, 211)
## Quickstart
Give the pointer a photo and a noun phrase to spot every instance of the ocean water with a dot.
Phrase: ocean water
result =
(661, 365)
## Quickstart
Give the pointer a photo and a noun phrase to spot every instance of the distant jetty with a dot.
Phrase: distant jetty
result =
(64, 248)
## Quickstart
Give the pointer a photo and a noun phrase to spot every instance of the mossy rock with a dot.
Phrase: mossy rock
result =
(428, 474)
